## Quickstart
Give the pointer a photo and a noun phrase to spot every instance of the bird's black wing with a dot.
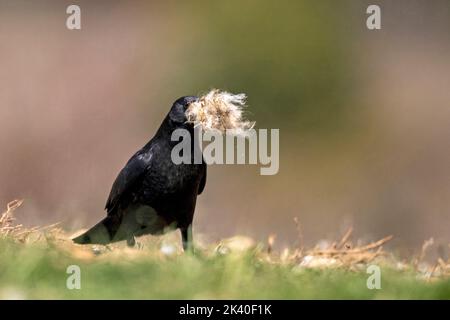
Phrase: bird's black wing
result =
(128, 177)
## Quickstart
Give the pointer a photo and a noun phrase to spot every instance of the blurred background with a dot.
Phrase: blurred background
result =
(364, 116)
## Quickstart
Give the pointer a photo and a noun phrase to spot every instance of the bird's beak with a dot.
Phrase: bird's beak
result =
(194, 110)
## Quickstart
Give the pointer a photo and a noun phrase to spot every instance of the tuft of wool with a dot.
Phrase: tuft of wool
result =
(220, 110)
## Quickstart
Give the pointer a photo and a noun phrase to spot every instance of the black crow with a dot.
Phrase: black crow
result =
(152, 194)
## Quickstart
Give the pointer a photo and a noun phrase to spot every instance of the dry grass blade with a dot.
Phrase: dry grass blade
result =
(372, 245)
(7, 219)
(368, 247)
(17, 232)
(426, 245)
(339, 255)
(345, 238)
(299, 236)
(270, 243)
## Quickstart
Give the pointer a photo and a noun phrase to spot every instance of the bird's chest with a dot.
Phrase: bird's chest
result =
(171, 179)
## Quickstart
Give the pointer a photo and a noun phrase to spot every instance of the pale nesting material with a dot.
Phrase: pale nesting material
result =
(220, 110)
(318, 262)
(168, 249)
(236, 244)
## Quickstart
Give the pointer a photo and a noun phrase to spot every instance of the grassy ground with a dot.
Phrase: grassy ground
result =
(33, 265)
(39, 271)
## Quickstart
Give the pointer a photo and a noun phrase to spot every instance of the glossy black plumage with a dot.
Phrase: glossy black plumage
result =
(152, 194)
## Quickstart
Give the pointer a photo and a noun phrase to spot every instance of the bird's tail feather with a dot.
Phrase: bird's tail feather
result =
(103, 232)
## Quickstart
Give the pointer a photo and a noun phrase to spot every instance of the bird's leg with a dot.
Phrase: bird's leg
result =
(131, 241)
(186, 235)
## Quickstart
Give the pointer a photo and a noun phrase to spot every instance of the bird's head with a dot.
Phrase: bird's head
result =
(177, 114)
(216, 110)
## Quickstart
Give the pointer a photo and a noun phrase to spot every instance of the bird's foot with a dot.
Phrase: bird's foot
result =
(132, 243)
(139, 245)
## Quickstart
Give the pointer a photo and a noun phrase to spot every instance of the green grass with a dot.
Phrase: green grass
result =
(38, 271)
